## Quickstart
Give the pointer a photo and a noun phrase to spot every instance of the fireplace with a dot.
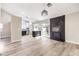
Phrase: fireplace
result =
(56, 35)
(57, 28)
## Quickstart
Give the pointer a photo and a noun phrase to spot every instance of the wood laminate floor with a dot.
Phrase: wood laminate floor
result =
(40, 46)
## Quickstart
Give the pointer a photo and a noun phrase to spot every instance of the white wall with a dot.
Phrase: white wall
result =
(0, 11)
(5, 17)
(72, 27)
(5, 20)
(0, 17)
(6, 31)
(15, 29)
(11, 26)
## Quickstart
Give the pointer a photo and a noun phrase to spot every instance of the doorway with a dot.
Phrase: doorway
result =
(45, 30)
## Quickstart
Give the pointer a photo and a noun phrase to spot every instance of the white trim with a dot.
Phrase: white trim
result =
(15, 41)
(73, 42)
(4, 37)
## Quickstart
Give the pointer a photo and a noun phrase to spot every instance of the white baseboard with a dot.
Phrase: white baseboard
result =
(73, 42)
(4, 37)
(15, 41)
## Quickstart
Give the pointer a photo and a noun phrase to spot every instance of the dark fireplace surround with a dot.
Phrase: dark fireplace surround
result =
(57, 28)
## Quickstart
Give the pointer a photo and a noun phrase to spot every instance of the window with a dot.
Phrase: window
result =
(1, 26)
(36, 27)
(25, 23)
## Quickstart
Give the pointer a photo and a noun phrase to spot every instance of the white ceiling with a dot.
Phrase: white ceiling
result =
(33, 10)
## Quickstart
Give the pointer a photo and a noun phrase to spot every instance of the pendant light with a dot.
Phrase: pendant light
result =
(49, 4)
(44, 12)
